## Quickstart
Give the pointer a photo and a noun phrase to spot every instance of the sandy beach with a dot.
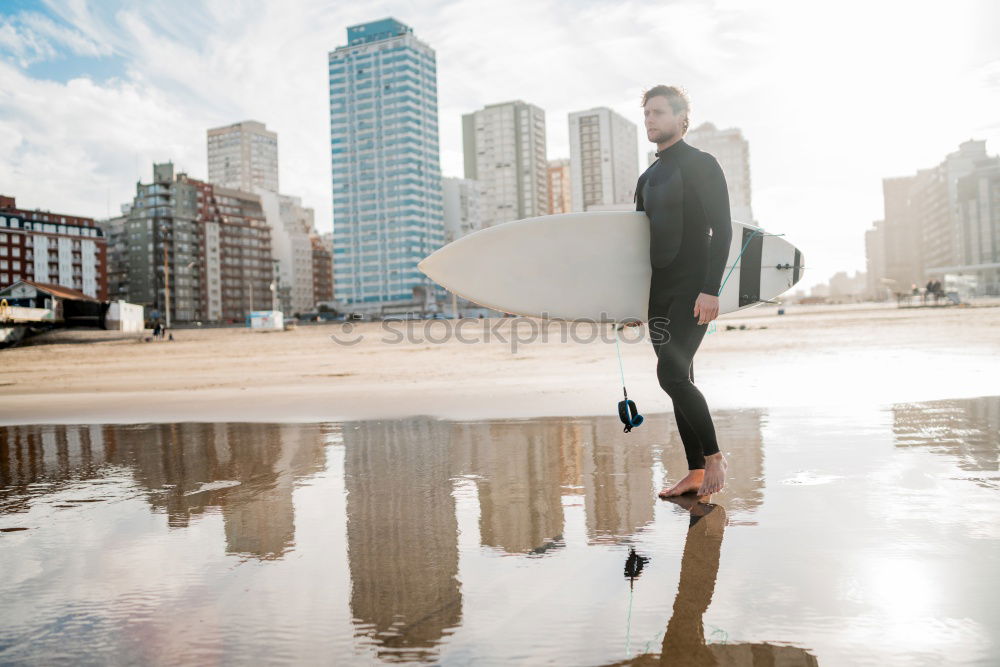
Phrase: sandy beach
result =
(496, 368)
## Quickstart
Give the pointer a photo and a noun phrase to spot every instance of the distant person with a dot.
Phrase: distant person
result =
(684, 195)
(156, 331)
(938, 291)
(930, 289)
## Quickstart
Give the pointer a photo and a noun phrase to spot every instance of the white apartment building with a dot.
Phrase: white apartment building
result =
(292, 226)
(462, 214)
(243, 156)
(504, 147)
(733, 153)
(603, 154)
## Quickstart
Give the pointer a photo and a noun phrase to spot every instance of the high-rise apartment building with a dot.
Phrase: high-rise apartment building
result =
(386, 170)
(243, 156)
(462, 213)
(504, 146)
(560, 189)
(196, 250)
(940, 223)
(604, 165)
(733, 153)
(292, 230)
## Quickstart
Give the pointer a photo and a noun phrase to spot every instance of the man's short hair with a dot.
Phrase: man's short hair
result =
(677, 98)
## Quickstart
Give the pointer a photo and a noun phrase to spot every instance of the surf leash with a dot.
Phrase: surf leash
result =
(711, 329)
(627, 412)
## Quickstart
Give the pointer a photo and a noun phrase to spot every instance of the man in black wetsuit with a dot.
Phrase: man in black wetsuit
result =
(684, 195)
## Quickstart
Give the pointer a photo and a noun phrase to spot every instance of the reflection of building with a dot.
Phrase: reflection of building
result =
(402, 535)
(617, 483)
(967, 429)
(519, 473)
(186, 470)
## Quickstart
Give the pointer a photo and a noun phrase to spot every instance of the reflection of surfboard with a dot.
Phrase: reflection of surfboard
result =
(595, 266)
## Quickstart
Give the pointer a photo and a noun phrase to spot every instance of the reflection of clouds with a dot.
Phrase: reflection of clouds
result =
(966, 429)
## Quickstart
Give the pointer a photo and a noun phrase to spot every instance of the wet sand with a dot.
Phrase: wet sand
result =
(871, 539)
(870, 355)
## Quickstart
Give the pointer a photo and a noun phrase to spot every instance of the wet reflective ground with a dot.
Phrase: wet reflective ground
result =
(868, 539)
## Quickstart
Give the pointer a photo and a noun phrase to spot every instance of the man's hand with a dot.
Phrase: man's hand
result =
(706, 308)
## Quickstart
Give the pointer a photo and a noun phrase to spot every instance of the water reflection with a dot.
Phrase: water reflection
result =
(246, 471)
(968, 430)
(422, 540)
(401, 535)
(684, 641)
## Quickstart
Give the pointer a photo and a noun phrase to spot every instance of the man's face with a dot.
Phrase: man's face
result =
(661, 123)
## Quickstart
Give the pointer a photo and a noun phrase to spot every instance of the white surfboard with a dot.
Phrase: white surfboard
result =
(595, 266)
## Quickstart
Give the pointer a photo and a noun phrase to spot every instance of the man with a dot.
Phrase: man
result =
(685, 197)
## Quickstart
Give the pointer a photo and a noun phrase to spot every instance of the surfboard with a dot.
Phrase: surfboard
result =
(595, 267)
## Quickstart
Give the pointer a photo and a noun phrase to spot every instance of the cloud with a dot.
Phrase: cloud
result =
(31, 37)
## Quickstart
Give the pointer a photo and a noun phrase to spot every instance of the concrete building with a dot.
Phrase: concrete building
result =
(116, 235)
(326, 239)
(934, 226)
(462, 213)
(386, 171)
(196, 250)
(604, 164)
(978, 226)
(52, 248)
(243, 156)
(560, 187)
(322, 271)
(291, 226)
(877, 288)
(733, 153)
(504, 149)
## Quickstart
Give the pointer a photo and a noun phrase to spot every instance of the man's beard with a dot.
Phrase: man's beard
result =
(663, 137)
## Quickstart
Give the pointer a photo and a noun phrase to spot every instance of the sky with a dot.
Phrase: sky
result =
(832, 96)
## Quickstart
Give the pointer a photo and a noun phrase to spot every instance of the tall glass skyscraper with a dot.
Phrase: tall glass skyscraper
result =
(387, 204)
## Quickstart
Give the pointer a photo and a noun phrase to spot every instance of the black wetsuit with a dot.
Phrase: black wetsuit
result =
(684, 195)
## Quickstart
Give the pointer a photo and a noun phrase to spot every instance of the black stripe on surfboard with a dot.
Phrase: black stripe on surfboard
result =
(750, 267)
(796, 266)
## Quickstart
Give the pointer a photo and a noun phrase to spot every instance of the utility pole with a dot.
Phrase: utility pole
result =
(166, 278)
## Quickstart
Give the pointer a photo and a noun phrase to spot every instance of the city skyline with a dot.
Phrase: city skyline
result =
(119, 70)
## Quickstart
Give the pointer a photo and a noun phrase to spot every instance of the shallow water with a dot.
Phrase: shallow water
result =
(864, 538)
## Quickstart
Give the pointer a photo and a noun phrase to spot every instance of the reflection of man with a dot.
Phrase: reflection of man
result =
(684, 641)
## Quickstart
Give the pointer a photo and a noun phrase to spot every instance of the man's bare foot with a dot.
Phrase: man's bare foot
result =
(691, 482)
(715, 474)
